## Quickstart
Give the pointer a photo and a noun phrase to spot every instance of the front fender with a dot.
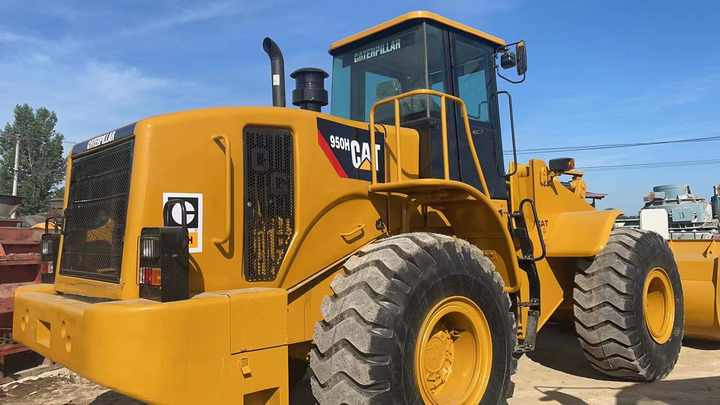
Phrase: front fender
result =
(579, 233)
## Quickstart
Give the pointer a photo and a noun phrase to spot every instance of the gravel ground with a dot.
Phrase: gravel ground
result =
(58, 386)
(556, 373)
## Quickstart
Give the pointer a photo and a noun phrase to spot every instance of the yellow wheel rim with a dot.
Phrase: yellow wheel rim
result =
(453, 353)
(659, 305)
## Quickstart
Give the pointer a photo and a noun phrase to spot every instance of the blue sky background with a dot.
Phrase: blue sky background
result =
(599, 72)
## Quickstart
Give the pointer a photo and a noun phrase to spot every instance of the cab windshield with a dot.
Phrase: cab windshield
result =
(365, 73)
(427, 56)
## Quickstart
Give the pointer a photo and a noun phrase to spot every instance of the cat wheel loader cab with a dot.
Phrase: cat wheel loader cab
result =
(377, 254)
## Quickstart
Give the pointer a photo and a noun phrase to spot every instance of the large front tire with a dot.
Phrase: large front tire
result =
(415, 318)
(629, 307)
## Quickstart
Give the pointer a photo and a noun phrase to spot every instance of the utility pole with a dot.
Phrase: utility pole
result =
(17, 164)
(16, 168)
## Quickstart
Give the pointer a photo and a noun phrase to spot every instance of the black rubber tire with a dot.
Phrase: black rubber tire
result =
(364, 346)
(608, 308)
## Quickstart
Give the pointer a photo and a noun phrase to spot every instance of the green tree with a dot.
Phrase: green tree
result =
(41, 166)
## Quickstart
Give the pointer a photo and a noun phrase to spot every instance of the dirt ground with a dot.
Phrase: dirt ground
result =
(556, 373)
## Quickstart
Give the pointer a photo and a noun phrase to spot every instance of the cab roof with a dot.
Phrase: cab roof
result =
(416, 15)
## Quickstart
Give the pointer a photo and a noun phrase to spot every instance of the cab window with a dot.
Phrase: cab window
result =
(375, 70)
(472, 62)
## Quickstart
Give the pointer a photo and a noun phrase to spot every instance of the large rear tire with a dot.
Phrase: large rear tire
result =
(415, 318)
(629, 307)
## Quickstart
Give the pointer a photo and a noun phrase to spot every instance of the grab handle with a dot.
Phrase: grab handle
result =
(536, 220)
(354, 233)
(228, 189)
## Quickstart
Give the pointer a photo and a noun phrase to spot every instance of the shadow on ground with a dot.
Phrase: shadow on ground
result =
(701, 344)
(703, 390)
(692, 391)
(558, 348)
(114, 398)
(20, 361)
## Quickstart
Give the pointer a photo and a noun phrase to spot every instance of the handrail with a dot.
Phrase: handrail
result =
(228, 190)
(536, 220)
(443, 116)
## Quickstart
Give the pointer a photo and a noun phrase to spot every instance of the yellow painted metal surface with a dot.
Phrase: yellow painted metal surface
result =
(578, 233)
(571, 228)
(177, 153)
(171, 353)
(454, 353)
(697, 262)
(263, 307)
(659, 305)
(417, 15)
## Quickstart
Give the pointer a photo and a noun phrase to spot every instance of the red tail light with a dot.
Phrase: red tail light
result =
(164, 264)
(49, 247)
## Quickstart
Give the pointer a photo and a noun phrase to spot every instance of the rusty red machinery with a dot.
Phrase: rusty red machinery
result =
(20, 264)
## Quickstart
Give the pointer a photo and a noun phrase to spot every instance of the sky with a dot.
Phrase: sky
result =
(598, 72)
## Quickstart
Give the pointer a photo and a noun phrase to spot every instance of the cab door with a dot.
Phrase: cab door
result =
(473, 79)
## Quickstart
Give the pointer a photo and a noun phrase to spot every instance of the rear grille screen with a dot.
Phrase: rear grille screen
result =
(96, 213)
(269, 212)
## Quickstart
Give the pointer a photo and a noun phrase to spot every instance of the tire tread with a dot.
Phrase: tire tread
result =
(349, 362)
(604, 307)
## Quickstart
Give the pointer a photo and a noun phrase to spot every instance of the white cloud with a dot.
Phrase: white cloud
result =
(203, 12)
(89, 97)
(39, 57)
(122, 84)
(12, 38)
(672, 94)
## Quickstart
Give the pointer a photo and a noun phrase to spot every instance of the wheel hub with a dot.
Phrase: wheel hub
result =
(439, 355)
(659, 305)
(453, 353)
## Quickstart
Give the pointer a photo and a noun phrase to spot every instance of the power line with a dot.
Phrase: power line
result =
(612, 145)
(652, 165)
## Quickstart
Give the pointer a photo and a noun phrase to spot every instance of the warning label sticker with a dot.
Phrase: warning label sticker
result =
(193, 217)
(348, 150)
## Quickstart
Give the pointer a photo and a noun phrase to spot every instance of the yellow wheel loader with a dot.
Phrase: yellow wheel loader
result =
(380, 253)
(691, 226)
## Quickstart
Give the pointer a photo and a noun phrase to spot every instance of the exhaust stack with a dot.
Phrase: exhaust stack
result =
(277, 71)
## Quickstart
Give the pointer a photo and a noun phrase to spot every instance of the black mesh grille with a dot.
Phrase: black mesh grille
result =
(96, 213)
(269, 200)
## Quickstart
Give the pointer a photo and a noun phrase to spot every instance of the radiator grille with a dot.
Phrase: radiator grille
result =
(96, 213)
(269, 212)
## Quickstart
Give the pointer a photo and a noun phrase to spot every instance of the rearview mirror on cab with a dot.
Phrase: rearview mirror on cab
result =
(514, 58)
(521, 58)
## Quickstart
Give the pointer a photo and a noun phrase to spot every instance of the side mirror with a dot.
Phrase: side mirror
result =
(521, 58)
(516, 59)
(561, 165)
